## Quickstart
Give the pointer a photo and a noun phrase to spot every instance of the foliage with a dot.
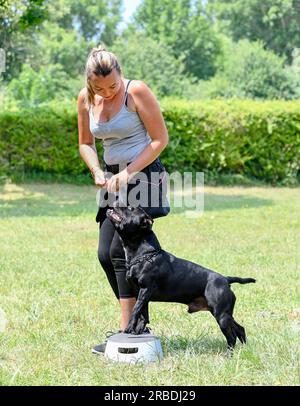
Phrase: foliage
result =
(294, 71)
(274, 22)
(151, 61)
(33, 34)
(35, 87)
(170, 45)
(257, 139)
(41, 139)
(247, 70)
(92, 20)
(19, 21)
(56, 45)
(183, 27)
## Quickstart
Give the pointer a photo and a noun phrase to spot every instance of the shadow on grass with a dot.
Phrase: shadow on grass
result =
(201, 345)
(58, 200)
(214, 202)
(35, 200)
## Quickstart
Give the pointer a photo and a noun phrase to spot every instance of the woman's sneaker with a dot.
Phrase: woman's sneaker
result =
(100, 348)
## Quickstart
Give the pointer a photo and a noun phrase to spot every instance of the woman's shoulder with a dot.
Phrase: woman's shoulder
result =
(138, 87)
(82, 95)
(82, 99)
(140, 93)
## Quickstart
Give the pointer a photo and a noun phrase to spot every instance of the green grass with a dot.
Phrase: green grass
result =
(58, 303)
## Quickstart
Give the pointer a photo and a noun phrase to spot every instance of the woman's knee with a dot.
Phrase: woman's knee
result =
(116, 252)
(104, 256)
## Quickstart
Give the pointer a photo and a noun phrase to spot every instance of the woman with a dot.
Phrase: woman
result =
(126, 116)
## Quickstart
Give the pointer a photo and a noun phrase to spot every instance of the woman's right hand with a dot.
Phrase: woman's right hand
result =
(99, 177)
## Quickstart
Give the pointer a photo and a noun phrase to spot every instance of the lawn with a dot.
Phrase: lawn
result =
(58, 304)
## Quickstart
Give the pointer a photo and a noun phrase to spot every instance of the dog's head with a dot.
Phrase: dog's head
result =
(130, 220)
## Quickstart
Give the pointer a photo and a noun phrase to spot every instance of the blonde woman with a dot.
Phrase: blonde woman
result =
(126, 116)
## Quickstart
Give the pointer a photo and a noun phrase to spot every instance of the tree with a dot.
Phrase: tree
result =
(250, 71)
(32, 87)
(184, 28)
(146, 59)
(19, 19)
(95, 20)
(22, 22)
(55, 45)
(274, 22)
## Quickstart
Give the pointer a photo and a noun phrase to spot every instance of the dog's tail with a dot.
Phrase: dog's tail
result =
(233, 279)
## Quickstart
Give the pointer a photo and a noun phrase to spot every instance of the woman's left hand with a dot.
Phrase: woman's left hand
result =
(117, 181)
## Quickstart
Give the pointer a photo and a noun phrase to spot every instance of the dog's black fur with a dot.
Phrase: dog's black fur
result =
(162, 277)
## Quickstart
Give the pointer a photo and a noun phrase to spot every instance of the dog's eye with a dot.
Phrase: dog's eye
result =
(130, 208)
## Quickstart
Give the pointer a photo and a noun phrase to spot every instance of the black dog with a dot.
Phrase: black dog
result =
(162, 277)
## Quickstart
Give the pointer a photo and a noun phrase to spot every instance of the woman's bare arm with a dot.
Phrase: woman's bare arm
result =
(149, 111)
(87, 148)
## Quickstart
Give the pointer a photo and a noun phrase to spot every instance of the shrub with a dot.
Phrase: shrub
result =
(32, 87)
(256, 139)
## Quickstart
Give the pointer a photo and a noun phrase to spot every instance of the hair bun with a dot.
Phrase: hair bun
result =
(99, 48)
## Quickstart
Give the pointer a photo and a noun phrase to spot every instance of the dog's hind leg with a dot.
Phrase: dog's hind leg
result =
(233, 300)
(226, 324)
(231, 330)
(221, 301)
(239, 330)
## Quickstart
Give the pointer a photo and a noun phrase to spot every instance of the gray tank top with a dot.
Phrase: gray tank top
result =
(124, 136)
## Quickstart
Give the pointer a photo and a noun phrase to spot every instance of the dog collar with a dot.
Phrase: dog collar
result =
(147, 257)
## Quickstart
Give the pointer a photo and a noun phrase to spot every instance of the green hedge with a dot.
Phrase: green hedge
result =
(256, 139)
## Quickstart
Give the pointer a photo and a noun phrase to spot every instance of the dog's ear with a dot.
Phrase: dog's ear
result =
(147, 222)
(145, 213)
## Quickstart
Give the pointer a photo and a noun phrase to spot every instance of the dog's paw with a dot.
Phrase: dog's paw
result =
(129, 330)
(140, 329)
(132, 332)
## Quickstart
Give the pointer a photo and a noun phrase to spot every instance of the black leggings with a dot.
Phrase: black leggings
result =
(111, 255)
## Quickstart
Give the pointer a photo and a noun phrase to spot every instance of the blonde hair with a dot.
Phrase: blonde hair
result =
(100, 63)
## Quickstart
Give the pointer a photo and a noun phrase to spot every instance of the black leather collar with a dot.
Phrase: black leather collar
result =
(146, 257)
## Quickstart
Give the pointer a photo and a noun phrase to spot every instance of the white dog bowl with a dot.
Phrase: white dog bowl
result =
(133, 349)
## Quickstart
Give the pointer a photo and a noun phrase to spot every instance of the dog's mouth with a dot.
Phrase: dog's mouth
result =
(114, 216)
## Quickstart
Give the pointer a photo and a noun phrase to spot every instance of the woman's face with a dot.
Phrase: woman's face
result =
(107, 86)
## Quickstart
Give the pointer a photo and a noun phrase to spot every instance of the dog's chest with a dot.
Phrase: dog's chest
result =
(141, 272)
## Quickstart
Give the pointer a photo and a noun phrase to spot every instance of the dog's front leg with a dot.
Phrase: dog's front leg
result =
(142, 300)
(144, 319)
